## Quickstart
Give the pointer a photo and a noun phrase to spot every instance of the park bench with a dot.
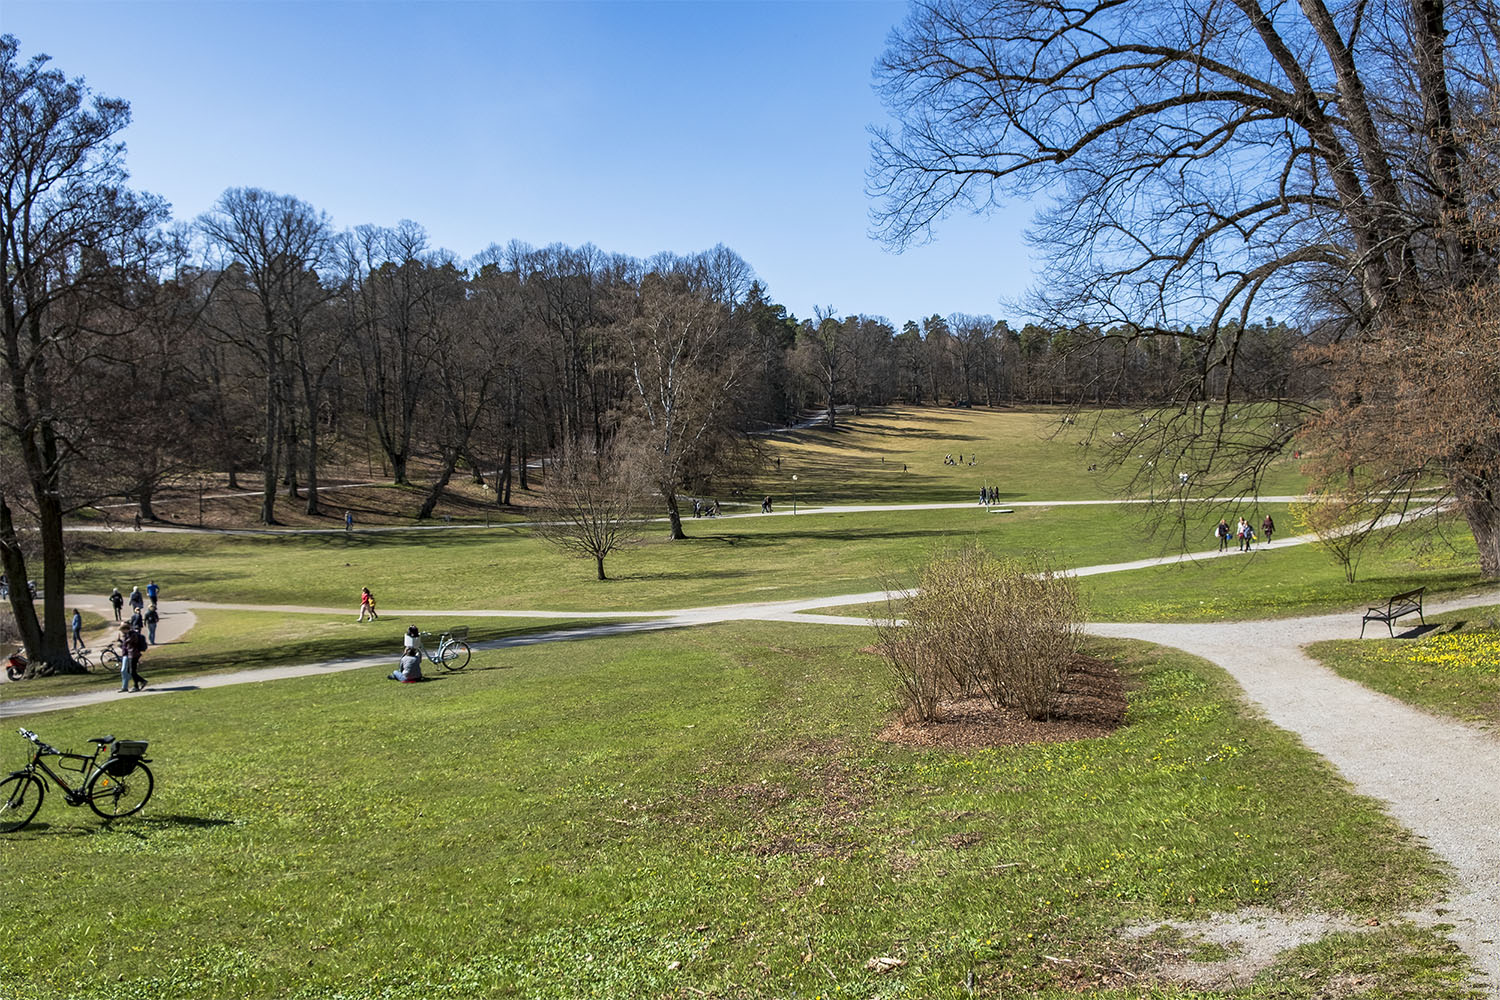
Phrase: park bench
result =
(1409, 603)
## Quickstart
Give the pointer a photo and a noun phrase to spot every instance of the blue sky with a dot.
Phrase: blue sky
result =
(639, 127)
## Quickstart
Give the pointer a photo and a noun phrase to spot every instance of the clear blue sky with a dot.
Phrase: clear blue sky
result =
(639, 127)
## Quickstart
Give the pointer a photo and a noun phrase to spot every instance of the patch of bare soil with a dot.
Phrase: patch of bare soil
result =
(1090, 704)
(1241, 945)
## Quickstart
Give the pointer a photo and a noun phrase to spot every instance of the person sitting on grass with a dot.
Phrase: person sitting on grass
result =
(410, 670)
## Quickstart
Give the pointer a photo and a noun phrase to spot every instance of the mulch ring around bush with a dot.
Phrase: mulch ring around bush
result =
(1090, 704)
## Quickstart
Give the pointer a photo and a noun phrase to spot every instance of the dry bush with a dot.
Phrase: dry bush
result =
(1001, 628)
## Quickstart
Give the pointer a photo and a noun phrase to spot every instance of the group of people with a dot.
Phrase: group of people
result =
(989, 495)
(950, 460)
(137, 633)
(705, 508)
(142, 618)
(1243, 533)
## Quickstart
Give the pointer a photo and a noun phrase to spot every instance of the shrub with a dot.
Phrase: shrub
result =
(1004, 629)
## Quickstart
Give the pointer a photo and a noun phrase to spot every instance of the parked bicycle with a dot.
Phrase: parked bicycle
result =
(452, 651)
(119, 786)
(108, 662)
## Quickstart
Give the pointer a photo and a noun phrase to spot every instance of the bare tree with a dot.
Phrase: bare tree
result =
(270, 247)
(592, 505)
(820, 356)
(72, 241)
(684, 372)
(1208, 159)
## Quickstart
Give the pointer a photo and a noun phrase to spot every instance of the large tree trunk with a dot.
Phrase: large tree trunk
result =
(269, 457)
(673, 514)
(429, 503)
(1482, 511)
(502, 487)
(599, 563)
(312, 462)
(44, 639)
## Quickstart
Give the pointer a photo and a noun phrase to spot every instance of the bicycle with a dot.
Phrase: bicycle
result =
(452, 652)
(118, 787)
(109, 659)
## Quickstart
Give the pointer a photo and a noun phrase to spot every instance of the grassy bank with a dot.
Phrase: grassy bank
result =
(223, 641)
(725, 561)
(702, 812)
(1453, 669)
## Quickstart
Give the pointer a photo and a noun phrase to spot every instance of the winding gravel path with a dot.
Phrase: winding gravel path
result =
(1439, 778)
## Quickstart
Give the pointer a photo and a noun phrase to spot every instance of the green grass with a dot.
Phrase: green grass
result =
(1454, 669)
(222, 641)
(726, 561)
(713, 798)
(895, 455)
(1271, 582)
(1283, 581)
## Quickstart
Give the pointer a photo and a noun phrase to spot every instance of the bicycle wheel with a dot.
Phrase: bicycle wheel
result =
(81, 657)
(20, 797)
(454, 655)
(110, 660)
(112, 796)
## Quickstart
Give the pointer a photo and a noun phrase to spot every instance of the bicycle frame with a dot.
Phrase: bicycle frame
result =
(74, 796)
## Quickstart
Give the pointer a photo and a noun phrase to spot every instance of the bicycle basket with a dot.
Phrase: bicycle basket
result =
(126, 757)
(462, 632)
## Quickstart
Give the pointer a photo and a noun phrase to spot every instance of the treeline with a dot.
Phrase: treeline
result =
(258, 341)
(276, 338)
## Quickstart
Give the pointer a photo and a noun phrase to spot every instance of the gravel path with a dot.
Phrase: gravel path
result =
(1439, 778)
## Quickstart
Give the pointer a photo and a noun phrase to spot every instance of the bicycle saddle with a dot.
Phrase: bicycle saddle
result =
(103, 741)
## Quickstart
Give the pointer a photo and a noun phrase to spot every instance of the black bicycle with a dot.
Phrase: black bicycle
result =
(119, 786)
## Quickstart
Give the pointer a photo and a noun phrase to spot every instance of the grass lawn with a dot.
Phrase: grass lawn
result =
(1271, 582)
(222, 641)
(1453, 669)
(726, 561)
(895, 455)
(694, 813)
(1282, 581)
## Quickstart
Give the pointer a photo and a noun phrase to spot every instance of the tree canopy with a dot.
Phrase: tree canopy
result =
(1207, 161)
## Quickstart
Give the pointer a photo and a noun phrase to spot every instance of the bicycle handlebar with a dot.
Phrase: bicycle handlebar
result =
(33, 737)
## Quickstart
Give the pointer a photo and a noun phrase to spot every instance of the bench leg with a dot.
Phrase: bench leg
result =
(1362, 624)
(1391, 625)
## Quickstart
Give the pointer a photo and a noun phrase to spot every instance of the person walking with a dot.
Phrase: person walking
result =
(366, 604)
(152, 590)
(1267, 527)
(136, 600)
(132, 647)
(77, 626)
(1222, 534)
(348, 520)
(151, 618)
(1244, 533)
(117, 601)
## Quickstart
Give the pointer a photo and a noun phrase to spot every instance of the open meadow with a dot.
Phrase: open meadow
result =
(722, 810)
